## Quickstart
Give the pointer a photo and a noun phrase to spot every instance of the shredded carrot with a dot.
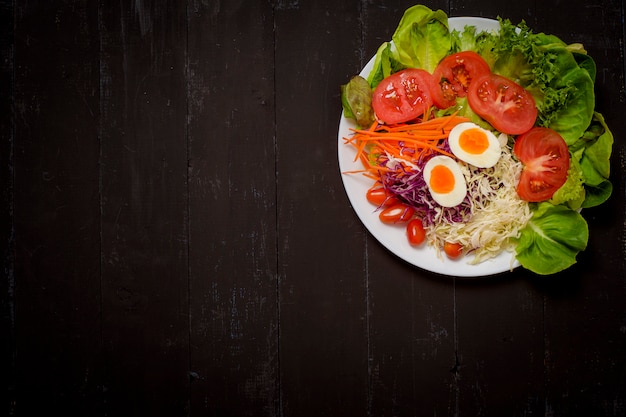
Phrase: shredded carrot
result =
(406, 142)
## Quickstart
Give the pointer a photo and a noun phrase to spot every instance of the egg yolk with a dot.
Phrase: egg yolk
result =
(473, 141)
(441, 179)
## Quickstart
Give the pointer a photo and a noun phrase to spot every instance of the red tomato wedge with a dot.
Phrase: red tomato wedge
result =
(545, 156)
(402, 96)
(454, 74)
(506, 105)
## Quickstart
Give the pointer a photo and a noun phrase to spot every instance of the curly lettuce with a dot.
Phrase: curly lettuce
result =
(559, 76)
(422, 38)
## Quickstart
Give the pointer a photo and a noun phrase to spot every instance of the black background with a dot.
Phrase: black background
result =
(177, 240)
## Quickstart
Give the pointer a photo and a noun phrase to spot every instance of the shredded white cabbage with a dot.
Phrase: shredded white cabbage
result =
(498, 214)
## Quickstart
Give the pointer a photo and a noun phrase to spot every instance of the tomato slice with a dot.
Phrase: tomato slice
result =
(403, 96)
(454, 74)
(506, 105)
(546, 158)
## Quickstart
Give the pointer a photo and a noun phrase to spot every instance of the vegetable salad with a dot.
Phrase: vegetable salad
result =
(428, 114)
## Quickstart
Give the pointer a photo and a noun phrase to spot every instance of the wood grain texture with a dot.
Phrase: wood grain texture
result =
(177, 240)
(584, 341)
(7, 178)
(144, 213)
(234, 321)
(56, 210)
(323, 310)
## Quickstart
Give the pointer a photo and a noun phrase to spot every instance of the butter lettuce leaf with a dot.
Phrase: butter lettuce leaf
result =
(472, 39)
(597, 194)
(422, 38)
(385, 64)
(598, 142)
(596, 146)
(551, 240)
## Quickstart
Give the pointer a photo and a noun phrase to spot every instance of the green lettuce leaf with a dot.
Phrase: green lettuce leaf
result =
(585, 62)
(463, 109)
(471, 39)
(551, 240)
(385, 64)
(356, 100)
(597, 194)
(596, 146)
(598, 142)
(570, 113)
(559, 76)
(422, 38)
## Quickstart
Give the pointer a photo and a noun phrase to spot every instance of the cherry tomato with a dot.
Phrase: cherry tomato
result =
(506, 105)
(453, 250)
(454, 74)
(546, 158)
(415, 232)
(378, 196)
(403, 96)
(398, 213)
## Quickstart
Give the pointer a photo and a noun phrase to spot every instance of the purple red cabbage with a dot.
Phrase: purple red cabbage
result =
(409, 186)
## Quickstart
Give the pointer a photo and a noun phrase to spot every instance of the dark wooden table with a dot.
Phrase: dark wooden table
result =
(177, 240)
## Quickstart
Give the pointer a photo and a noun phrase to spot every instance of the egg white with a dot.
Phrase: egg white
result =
(458, 193)
(486, 159)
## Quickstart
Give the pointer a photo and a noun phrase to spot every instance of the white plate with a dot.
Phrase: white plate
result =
(394, 237)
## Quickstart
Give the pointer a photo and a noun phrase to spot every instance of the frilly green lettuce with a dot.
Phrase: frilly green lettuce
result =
(559, 76)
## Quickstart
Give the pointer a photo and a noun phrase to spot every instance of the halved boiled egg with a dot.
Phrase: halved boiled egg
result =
(474, 145)
(445, 181)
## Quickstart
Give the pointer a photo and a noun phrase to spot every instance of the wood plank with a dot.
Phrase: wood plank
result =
(179, 241)
(412, 338)
(145, 285)
(585, 310)
(56, 210)
(232, 209)
(500, 333)
(7, 177)
(321, 261)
